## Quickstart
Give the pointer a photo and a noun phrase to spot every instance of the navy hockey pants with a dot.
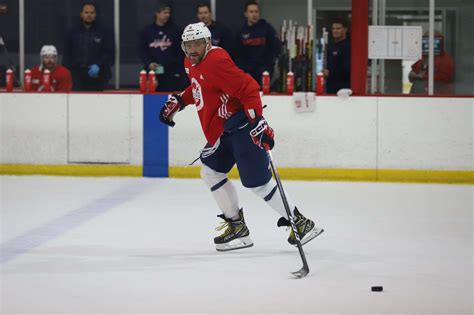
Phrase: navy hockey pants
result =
(235, 146)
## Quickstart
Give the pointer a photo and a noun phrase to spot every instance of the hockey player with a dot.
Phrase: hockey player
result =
(230, 111)
(60, 77)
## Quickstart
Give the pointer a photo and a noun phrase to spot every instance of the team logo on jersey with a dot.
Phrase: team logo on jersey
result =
(162, 43)
(197, 94)
(222, 111)
(97, 40)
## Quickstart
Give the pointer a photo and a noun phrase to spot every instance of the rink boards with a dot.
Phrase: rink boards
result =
(417, 139)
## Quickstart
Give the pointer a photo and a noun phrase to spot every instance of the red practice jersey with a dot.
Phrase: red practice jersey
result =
(60, 78)
(219, 89)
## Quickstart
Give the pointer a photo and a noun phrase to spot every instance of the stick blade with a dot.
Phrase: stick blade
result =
(303, 272)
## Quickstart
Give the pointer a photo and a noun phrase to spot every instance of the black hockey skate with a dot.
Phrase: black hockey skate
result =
(307, 229)
(235, 236)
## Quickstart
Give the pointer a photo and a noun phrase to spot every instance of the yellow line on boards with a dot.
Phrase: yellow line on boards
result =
(427, 176)
(322, 174)
(366, 175)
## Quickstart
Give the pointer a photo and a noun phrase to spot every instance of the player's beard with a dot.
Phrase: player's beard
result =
(49, 65)
(195, 58)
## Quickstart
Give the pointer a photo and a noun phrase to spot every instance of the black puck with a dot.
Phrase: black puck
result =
(377, 289)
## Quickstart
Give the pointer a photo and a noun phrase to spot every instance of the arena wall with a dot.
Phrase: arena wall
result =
(358, 138)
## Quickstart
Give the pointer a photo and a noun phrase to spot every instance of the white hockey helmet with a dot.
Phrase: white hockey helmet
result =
(48, 50)
(196, 31)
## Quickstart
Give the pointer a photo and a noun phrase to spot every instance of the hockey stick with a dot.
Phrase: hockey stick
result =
(9, 59)
(305, 269)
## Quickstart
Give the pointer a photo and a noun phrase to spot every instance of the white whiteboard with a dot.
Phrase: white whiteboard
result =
(395, 42)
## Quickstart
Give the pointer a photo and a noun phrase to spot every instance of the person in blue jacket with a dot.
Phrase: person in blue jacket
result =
(258, 45)
(221, 35)
(338, 67)
(89, 52)
(160, 50)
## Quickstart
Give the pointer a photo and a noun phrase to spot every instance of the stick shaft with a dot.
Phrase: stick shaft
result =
(288, 210)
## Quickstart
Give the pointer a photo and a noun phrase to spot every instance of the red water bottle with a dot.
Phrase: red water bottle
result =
(27, 85)
(142, 81)
(9, 80)
(151, 82)
(47, 80)
(290, 83)
(266, 82)
(319, 83)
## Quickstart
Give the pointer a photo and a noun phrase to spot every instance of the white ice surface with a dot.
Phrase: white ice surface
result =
(138, 245)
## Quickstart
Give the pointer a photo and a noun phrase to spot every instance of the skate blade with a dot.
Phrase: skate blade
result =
(238, 243)
(311, 235)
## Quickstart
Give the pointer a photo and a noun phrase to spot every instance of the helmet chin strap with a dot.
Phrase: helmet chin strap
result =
(208, 47)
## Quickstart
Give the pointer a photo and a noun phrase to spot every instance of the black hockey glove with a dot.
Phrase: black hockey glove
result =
(171, 107)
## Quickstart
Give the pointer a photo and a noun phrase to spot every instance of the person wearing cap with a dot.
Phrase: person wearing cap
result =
(60, 76)
(89, 52)
(229, 107)
(159, 50)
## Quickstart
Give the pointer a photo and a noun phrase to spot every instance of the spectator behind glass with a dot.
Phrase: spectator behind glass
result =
(443, 70)
(257, 44)
(221, 35)
(160, 50)
(338, 62)
(60, 77)
(89, 52)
